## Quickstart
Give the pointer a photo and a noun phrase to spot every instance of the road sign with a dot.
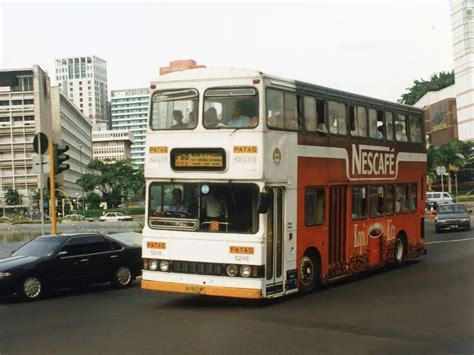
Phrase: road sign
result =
(40, 143)
(441, 170)
(38, 160)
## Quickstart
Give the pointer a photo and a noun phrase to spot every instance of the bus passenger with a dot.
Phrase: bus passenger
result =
(238, 120)
(178, 205)
(210, 117)
(215, 206)
(178, 117)
(192, 123)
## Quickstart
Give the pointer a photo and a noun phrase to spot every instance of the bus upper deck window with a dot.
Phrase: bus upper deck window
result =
(174, 110)
(230, 108)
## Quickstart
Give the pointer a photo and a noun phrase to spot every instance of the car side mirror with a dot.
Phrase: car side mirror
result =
(62, 253)
(263, 203)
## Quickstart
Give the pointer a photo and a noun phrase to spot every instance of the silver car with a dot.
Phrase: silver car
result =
(452, 216)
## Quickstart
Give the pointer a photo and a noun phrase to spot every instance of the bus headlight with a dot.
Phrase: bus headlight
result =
(231, 270)
(164, 265)
(153, 265)
(245, 271)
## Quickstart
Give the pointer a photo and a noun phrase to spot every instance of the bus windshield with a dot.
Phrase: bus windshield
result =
(204, 207)
(174, 109)
(231, 108)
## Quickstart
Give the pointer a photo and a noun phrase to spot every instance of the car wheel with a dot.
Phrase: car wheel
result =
(400, 251)
(122, 277)
(31, 288)
(437, 230)
(308, 273)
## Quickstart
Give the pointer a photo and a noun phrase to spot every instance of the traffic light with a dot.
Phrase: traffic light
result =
(60, 158)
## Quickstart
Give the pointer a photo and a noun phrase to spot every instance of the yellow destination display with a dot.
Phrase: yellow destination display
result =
(199, 160)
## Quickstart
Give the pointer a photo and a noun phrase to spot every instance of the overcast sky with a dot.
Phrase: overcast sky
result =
(371, 48)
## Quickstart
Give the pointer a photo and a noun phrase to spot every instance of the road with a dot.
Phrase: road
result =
(424, 307)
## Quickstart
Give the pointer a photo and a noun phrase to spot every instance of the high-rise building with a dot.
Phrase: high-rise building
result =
(462, 22)
(83, 80)
(129, 111)
(25, 109)
(71, 128)
(111, 145)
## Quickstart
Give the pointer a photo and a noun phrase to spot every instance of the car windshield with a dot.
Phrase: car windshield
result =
(174, 109)
(231, 108)
(446, 209)
(42, 246)
(205, 207)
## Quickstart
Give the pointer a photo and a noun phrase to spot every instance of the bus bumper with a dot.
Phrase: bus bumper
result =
(202, 289)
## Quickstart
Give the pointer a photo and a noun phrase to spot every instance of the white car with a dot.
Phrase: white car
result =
(115, 216)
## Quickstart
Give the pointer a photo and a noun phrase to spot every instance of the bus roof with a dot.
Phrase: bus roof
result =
(202, 74)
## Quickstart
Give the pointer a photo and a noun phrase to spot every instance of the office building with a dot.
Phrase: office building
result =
(462, 23)
(25, 109)
(83, 80)
(71, 128)
(111, 145)
(129, 111)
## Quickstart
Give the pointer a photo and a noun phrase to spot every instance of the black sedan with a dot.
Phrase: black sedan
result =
(66, 261)
(452, 216)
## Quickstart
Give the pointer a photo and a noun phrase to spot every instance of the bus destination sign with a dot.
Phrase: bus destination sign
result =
(198, 159)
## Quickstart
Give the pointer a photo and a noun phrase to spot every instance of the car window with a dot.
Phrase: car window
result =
(96, 244)
(114, 246)
(75, 246)
(436, 195)
(446, 195)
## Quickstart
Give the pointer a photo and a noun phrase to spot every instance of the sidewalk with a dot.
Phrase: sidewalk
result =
(129, 238)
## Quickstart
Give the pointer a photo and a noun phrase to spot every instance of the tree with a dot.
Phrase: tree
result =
(115, 180)
(12, 197)
(93, 200)
(421, 87)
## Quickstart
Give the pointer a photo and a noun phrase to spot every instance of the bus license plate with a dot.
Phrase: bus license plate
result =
(197, 290)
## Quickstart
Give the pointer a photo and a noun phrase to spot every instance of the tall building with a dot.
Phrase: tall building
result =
(129, 111)
(71, 128)
(111, 145)
(462, 22)
(83, 80)
(25, 109)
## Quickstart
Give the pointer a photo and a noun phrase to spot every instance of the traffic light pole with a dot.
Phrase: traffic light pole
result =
(52, 192)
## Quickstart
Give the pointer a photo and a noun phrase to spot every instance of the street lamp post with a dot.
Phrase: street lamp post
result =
(82, 185)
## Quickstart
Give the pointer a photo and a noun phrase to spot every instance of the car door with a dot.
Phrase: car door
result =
(71, 263)
(104, 258)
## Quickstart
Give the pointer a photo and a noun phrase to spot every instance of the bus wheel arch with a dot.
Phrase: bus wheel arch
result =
(309, 273)
(401, 248)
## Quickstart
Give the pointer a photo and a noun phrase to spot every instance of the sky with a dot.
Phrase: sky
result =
(373, 48)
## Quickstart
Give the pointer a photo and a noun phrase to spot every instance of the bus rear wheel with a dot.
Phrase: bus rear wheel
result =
(400, 251)
(308, 273)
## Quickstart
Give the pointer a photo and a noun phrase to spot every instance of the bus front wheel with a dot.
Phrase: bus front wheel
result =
(308, 273)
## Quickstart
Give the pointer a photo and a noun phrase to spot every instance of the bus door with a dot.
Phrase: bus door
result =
(274, 241)
(337, 228)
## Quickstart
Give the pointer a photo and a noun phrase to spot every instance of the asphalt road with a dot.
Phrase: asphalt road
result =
(424, 307)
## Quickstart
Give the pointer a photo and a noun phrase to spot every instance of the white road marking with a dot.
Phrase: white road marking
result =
(450, 241)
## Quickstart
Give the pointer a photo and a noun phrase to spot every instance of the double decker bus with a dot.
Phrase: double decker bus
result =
(259, 187)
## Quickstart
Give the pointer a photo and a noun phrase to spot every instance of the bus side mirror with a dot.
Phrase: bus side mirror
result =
(263, 202)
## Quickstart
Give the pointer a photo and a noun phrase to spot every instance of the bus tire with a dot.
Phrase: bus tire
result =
(400, 250)
(308, 272)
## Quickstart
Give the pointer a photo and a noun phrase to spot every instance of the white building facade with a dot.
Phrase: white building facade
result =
(83, 80)
(71, 128)
(129, 111)
(111, 145)
(25, 109)
(462, 22)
